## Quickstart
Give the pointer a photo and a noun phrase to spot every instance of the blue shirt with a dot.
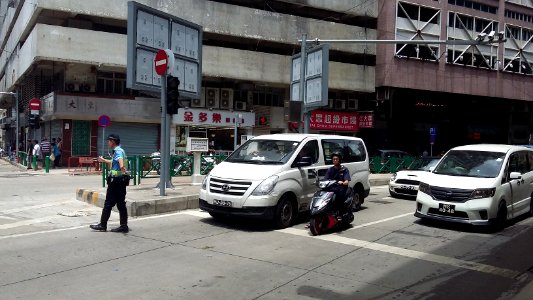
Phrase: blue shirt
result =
(118, 153)
(340, 174)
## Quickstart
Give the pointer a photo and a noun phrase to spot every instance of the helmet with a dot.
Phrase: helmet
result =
(337, 154)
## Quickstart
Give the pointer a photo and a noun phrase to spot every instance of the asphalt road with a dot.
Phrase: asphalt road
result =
(48, 252)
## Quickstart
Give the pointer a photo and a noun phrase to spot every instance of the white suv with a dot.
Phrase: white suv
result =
(478, 184)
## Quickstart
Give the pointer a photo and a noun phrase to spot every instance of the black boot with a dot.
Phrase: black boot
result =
(98, 227)
(121, 228)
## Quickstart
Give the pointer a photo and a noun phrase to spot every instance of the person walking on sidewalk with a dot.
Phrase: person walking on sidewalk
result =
(36, 153)
(116, 187)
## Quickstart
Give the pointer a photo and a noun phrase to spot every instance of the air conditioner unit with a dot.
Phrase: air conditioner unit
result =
(226, 98)
(212, 97)
(87, 88)
(353, 104)
(199, 102)
(72, 87)
(240, 105)
(340, 104)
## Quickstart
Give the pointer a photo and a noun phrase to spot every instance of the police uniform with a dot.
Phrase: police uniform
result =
(116, 191)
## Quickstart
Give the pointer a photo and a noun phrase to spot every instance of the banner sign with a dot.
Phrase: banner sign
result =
(333, 120)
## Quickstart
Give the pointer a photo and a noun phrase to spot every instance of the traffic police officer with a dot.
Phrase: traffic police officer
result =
(116, 187)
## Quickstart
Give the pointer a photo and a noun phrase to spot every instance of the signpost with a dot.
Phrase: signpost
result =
(34, 106)
(103, 121)
(160, 44)
(197, 146)
(432, 136)
(309, 78)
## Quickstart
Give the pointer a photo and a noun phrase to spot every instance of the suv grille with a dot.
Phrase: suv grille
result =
(452, 195)
(407, 181)
(228, 187)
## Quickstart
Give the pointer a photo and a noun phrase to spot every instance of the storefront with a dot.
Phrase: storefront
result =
(216, 125)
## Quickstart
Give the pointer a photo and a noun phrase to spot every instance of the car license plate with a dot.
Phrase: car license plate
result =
(447, 208)
(222, 203)
(408, 187)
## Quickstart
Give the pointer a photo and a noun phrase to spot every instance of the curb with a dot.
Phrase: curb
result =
(143, 207)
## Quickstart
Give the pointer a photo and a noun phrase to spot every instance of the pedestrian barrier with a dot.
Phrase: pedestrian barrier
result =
(78, 165)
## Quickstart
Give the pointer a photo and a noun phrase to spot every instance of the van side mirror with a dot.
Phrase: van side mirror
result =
(303, 162)
(515, 175)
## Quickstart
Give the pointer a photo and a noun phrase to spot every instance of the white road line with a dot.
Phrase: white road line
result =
(29, 222)
(458, 263)
(380, 221)
(15, 210)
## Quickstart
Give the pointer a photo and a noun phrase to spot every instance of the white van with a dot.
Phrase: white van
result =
(478, 184)
(273, 176)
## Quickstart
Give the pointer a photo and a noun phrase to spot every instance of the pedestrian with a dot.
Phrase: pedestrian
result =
(116, 187)
(57, 153)
(46, 148)
(29, 150)
(37, 153)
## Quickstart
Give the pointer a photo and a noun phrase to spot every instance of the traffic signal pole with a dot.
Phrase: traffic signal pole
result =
(163, 163)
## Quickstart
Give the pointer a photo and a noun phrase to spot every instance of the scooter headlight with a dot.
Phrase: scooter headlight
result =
(266, 186)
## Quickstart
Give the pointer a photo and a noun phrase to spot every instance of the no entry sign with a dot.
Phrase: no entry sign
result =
(161, 62)
(35, 106)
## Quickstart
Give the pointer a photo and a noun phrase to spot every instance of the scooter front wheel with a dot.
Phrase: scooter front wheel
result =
(317, 225)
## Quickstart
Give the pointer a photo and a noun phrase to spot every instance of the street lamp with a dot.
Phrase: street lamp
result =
(16, 121)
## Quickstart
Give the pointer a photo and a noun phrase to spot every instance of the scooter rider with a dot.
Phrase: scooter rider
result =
(342, 175)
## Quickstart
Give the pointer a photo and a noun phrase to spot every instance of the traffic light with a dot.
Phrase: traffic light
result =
(33, 121)
(173, 95)
(262, 120)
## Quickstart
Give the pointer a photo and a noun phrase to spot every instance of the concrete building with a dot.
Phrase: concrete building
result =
(72, 56)
(469, 94)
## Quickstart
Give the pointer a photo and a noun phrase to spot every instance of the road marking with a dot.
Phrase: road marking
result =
(29, 222)
(381, 221)
(458, 263)
(7, 218)
(15, 210)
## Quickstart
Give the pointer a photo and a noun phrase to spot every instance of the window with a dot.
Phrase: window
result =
(351, 150)
(518, 163)
(310, 149)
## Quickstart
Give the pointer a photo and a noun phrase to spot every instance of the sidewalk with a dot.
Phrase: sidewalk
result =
(144, 199)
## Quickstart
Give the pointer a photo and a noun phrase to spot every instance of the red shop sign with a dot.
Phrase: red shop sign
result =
(333, 120)
(365, 120)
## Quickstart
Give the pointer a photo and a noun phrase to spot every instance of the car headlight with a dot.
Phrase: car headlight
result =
(204, 183)
(482, 193)
(393, 177)
(424, 188)
(266, 186)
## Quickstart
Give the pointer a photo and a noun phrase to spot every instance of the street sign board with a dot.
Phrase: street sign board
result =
(432, 135)
(197, 145)
(150, 30)
(104, 121)
(316, 76)
(34, 106)
(161, 62)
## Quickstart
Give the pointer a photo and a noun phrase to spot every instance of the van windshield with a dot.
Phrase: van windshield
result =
(471, 163)
(259, 151)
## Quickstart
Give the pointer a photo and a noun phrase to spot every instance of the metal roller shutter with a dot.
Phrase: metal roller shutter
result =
(136, 139)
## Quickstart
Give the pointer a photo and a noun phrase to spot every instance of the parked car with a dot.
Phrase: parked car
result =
(478, 184)
(405, 182)
(274, 176)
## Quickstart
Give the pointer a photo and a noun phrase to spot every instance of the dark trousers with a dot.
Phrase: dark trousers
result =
(57, 161)
(115, 195)
(340, 196)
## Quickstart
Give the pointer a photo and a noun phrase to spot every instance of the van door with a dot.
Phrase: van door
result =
(520, 188)
(307, 174)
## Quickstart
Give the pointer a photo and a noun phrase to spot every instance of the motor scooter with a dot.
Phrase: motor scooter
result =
(325, 215)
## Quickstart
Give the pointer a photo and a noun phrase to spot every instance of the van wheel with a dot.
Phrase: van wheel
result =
(357, 199)
(284, 213)
(501, 217)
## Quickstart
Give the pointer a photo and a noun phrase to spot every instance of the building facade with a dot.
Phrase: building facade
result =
(72, 55)
(468, 94)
